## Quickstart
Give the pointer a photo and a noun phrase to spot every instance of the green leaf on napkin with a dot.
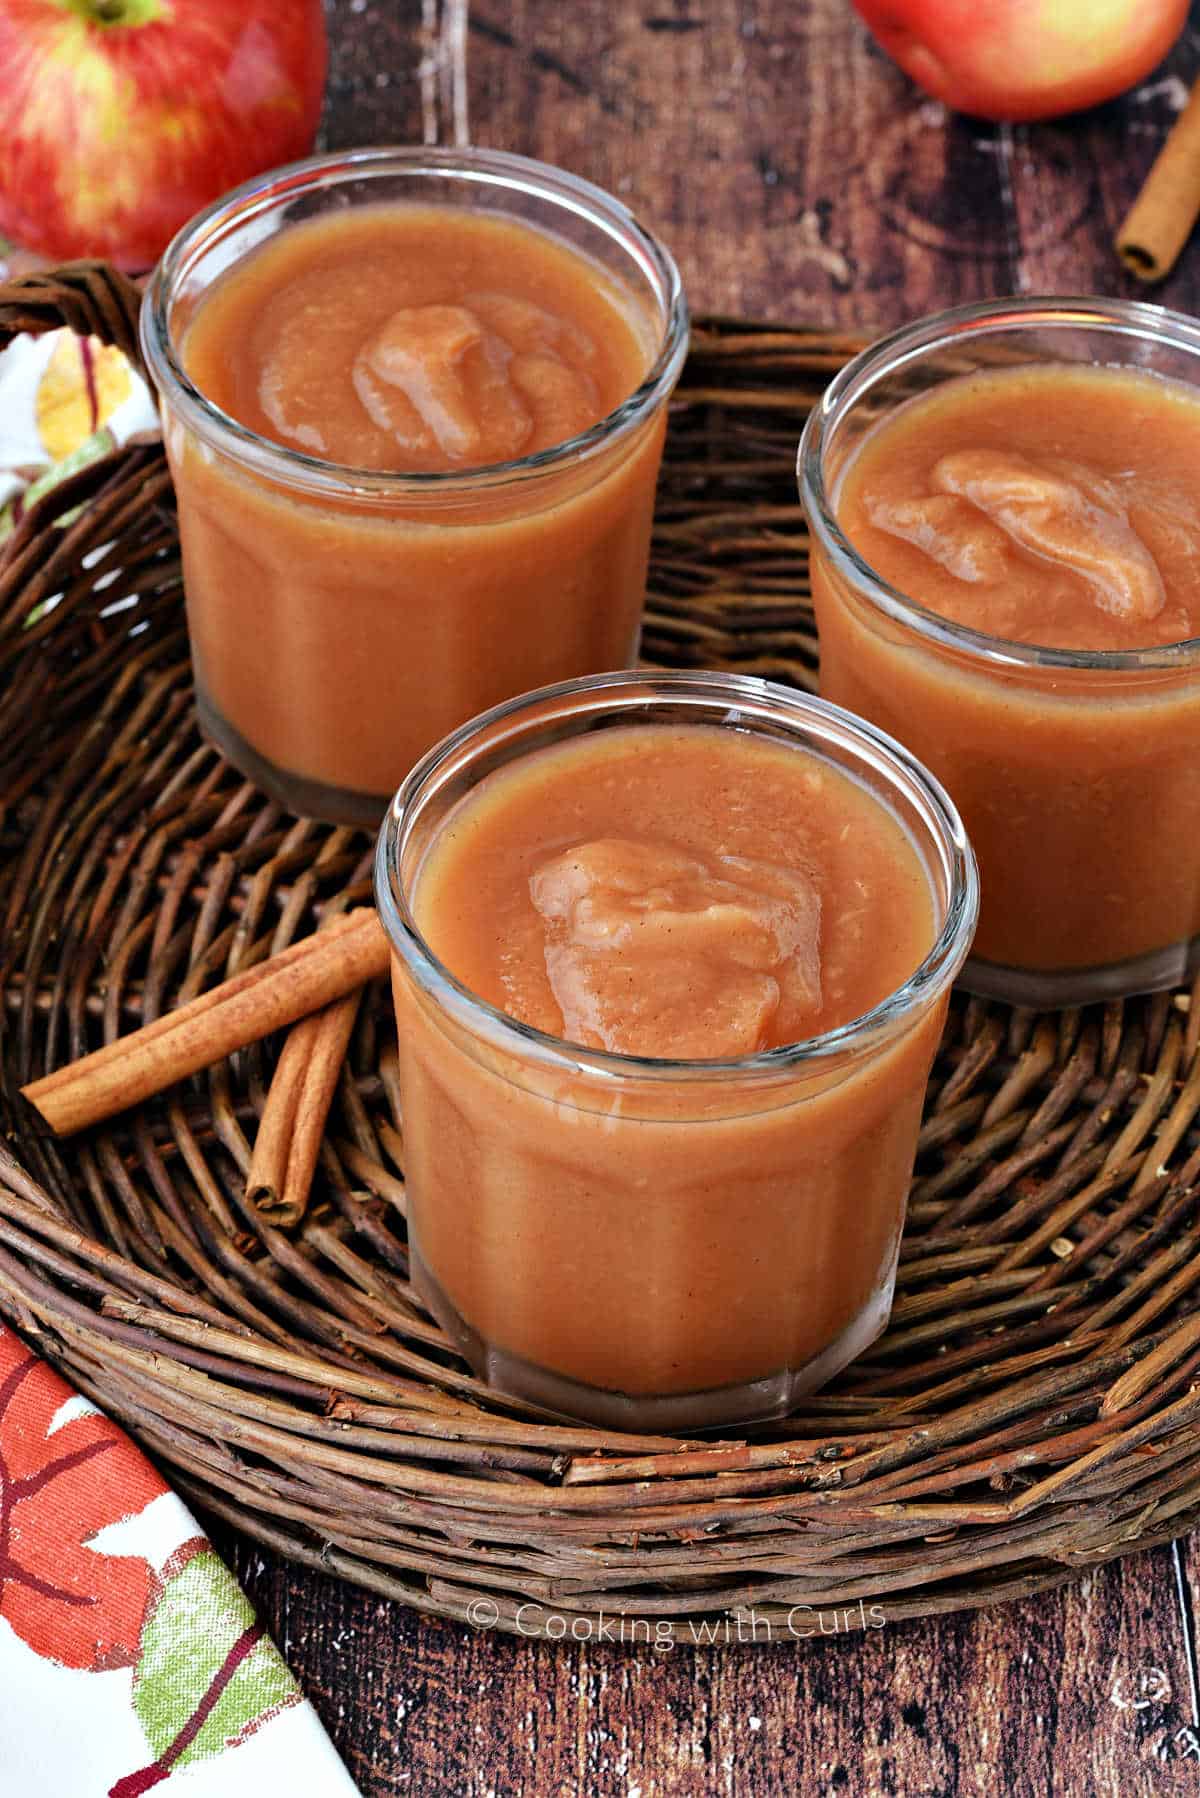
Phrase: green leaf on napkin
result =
(100, 443)
(207, 1676)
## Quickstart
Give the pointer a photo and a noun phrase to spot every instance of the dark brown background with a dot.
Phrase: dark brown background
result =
(795, 174)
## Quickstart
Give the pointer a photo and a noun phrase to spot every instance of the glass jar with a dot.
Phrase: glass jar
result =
(644, 1243)
(1074, 771)
(342, 620)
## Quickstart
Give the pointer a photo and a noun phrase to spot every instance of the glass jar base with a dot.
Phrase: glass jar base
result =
(1045, 989)
(307, 798)
(720, 1407)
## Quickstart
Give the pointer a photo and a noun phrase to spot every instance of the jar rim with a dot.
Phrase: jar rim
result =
(908, 345)
(728, 698)
(493, 168)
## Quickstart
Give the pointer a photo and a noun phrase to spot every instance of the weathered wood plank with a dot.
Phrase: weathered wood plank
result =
(1080, 1691)
(791, 168)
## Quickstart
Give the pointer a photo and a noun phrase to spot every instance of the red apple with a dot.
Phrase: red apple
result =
(120, 118)
(1025, 59)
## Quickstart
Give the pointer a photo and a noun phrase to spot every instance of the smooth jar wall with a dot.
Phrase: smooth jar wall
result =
(342, 621)
(652, 1244)
(1075, 772)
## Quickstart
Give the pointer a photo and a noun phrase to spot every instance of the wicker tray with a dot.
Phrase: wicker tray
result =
(1032, 1409)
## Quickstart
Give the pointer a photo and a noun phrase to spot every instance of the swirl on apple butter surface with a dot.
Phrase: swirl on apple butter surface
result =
(685, 893)
(417, 339)
(1057, 505)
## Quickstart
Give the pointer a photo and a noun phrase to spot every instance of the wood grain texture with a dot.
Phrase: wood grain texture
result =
(792, 169)
(1082, 1691)
(795, 174)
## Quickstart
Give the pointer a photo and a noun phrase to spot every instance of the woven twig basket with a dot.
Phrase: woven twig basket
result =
(1033, 1407)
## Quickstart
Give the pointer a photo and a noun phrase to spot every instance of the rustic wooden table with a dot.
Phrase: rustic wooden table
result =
(796, 174)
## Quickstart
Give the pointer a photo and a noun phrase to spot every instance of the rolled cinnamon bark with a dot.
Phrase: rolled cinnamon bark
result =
(293, 1120)
(1160, 220)
(301, 979)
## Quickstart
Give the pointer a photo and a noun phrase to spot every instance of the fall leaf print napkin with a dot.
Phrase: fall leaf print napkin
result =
(65, 401)
(130, 1658)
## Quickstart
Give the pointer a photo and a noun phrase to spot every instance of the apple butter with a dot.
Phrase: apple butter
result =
(664, 1191)
(1017, 607)
(415, 445)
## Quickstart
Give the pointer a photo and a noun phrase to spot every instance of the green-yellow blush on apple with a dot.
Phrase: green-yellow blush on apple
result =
(1025, 59)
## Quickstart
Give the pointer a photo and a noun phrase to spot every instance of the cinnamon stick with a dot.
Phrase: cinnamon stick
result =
(1160, 220)
(293, 1121)
(299, 980)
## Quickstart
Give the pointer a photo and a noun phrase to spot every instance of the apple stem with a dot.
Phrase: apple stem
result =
(107, 13)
